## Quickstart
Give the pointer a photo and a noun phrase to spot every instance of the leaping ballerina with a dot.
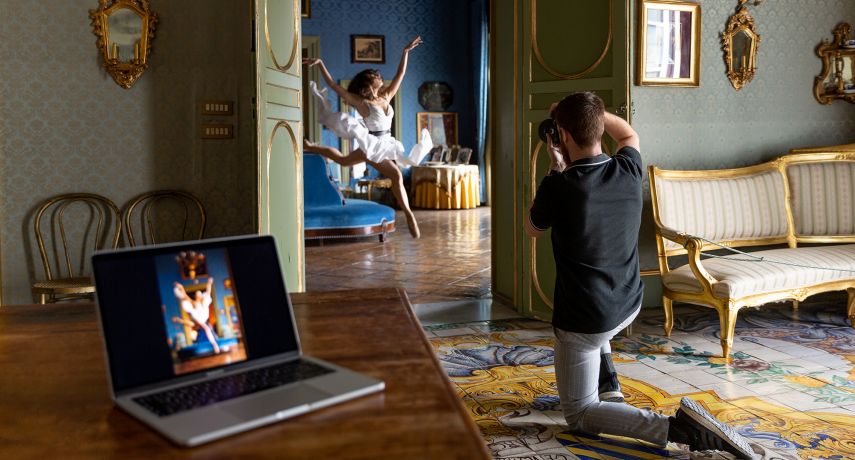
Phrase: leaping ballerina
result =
(376, 146)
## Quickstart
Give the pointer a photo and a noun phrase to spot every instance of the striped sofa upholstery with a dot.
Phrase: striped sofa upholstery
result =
(823, 197)
(797, 198)
(745, 207)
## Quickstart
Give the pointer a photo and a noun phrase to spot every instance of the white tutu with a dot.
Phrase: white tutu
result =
(376, 148)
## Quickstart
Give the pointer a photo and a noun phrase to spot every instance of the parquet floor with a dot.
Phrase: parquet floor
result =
(451, 261)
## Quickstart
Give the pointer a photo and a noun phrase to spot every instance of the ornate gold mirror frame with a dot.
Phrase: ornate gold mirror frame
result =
(669, 43)
(739, 42)
(125, 29)
(837, 78)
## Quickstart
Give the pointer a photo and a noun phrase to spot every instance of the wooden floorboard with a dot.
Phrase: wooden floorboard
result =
(451, 261)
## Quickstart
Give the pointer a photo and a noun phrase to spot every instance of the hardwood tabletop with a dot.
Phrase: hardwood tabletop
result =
(54, 398)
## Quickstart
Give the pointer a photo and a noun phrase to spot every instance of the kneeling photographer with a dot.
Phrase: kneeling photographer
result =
(593, 204)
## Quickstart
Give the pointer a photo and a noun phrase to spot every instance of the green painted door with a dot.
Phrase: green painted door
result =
(280, 129)
(543, 50)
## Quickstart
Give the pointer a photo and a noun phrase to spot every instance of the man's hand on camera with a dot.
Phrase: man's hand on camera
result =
(557, 162)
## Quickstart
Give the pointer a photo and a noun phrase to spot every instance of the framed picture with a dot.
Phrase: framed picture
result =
(463, 156)
(368, 48)
(306, 8)
(442, 126)
(437, 154)
(669, 41)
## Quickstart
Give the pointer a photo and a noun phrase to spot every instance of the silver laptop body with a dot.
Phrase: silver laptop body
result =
(252, 301)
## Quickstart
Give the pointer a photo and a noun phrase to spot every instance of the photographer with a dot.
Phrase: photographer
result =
(593, 203)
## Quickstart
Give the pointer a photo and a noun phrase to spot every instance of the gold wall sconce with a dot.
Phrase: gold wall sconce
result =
(125, 29)
(739, 42)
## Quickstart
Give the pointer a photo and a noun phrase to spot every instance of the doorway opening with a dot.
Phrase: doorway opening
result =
(452, 260)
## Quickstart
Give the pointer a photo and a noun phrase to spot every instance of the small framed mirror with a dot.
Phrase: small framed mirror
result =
(125, 29)
(669, 40)
(441, 125)
(739, 41)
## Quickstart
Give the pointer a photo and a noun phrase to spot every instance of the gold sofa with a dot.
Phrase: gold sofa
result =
(799, 198)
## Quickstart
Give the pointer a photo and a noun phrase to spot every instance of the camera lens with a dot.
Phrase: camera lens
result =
(547, 127)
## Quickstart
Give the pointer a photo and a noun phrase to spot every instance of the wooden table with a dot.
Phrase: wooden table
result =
(54, 399)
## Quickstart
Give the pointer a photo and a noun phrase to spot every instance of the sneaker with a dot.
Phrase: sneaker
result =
(697, 428)
(609, 385)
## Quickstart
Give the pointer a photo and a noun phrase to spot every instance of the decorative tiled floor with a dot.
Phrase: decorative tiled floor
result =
(789, 386)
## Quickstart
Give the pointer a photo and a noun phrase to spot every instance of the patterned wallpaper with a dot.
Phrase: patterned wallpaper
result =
(445, 56)
(714, 126)
(65, 126)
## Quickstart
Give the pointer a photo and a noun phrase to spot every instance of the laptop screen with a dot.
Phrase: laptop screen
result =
(180, 309)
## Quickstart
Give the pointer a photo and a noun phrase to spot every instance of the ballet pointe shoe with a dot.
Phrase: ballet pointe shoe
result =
(413, 225)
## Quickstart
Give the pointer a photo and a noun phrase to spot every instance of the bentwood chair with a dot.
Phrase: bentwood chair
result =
(68, 229)
(163, 216)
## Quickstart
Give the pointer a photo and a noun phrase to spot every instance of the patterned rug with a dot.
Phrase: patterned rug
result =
(788, 386)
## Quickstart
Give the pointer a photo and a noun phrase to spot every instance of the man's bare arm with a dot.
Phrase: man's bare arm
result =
(620, 131)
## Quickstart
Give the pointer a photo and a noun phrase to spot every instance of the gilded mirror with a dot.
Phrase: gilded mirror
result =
(669, 43)
(739, 41)
(125, 29)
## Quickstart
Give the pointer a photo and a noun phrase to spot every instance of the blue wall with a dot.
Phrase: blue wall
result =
(447, 53)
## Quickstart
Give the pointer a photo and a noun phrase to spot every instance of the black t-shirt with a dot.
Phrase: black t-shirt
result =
(594, 209)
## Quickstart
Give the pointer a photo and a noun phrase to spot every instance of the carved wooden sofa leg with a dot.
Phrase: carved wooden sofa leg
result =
(727, 320)
(667, 305)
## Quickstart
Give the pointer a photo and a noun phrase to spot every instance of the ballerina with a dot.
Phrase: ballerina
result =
(371, 99)
(198, 309)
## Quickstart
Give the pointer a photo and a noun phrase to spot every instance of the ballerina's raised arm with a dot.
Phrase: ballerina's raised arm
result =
(390, 91)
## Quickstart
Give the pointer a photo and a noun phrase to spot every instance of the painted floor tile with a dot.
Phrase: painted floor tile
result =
(788, 387)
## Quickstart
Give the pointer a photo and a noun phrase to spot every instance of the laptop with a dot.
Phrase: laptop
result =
(201, 341)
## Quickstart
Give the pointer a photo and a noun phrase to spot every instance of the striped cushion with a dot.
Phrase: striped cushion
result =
(737, 278)
(740, 208)
(823, 198)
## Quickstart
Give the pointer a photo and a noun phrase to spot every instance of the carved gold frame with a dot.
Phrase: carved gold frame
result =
(125, 73)
(833, 55)
(741, 21)
(728, 308)
(694, 77)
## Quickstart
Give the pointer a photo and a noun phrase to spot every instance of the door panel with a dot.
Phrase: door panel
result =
(559, 47)
(586, 30)
(280, 125)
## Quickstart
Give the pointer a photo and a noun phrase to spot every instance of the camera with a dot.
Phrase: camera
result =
(548, 126)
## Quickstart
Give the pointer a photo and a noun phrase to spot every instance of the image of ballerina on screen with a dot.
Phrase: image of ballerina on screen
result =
(200, 310)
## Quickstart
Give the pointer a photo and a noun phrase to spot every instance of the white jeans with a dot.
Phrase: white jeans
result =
(577, 368)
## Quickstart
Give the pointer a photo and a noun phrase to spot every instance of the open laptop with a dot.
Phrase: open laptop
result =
(201, 341)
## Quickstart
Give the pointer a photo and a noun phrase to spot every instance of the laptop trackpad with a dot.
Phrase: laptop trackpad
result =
(287, 402)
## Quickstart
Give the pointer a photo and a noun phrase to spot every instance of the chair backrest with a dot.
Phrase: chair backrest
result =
(65, 223)
(318, 188)
(164, 216)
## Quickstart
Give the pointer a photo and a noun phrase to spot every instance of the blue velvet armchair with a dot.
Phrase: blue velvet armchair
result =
(327, 214)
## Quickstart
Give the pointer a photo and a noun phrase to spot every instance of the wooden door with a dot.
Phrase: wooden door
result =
(280, 132)
(541, 51)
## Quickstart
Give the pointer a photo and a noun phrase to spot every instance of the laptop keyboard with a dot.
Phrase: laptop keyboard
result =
(224, 388)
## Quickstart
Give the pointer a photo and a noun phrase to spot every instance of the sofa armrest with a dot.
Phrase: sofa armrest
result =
(673, 235)
(693, 246)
